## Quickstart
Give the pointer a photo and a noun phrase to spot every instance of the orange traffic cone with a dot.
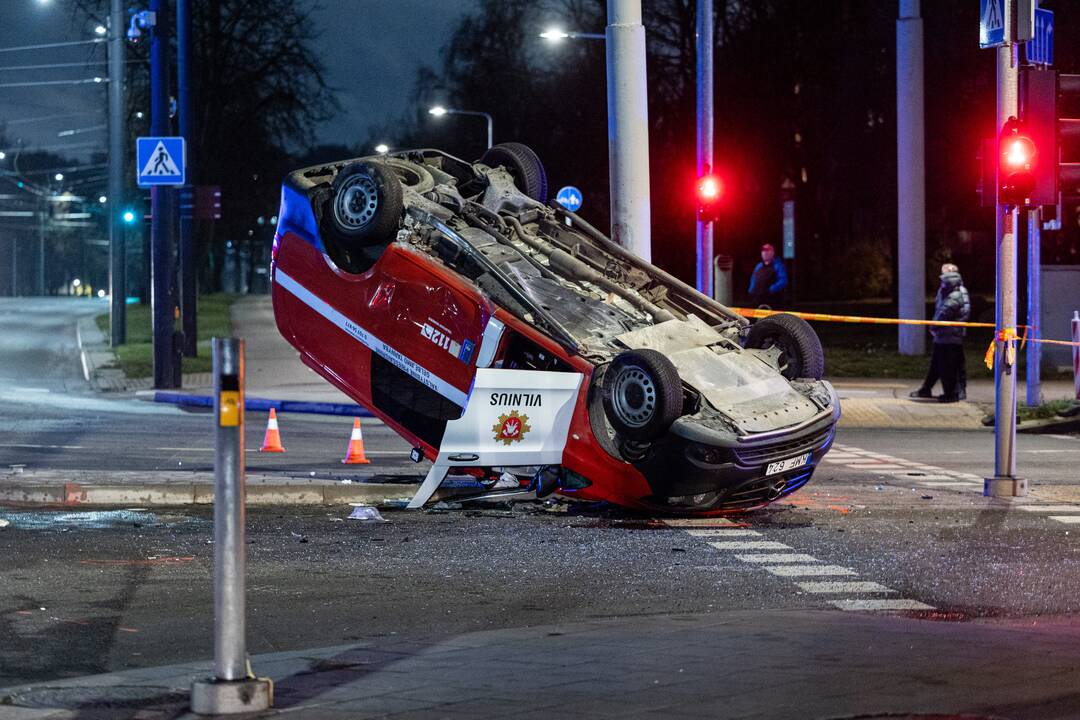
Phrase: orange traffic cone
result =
(272, 438)
(355, 454)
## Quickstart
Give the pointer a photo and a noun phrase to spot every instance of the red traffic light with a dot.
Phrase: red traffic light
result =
(710, 191)
(1017, 156)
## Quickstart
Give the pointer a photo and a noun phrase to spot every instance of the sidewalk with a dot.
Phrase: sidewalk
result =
(747, 664)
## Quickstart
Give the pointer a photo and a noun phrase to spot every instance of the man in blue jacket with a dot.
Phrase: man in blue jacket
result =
(769, 280)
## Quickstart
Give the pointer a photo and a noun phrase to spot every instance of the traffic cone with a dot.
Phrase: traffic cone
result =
(272, 438)
(355, 453)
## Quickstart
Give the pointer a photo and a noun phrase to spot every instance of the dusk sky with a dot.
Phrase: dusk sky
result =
(371, 50)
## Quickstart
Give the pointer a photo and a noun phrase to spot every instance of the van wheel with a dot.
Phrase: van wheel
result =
(801, 355)
(642, 394)
(364, 207)
(523, 165)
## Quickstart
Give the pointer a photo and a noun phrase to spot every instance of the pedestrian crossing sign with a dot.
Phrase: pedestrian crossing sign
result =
(160, 160)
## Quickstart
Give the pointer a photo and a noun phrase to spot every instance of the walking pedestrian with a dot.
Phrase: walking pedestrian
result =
(947, 360)
(769, 280)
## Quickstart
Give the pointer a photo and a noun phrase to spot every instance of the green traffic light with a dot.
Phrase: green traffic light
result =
(129, 217)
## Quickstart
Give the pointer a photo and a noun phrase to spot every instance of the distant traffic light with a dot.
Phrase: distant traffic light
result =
(128, 217)
(1017, 159)
(710, 193)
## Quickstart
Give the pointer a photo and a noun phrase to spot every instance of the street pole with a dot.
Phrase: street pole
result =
(41, 248)
(1005, 483)
(188, 275)
(910, 178)
(628, 128)
(231, 689)
(1034, 349)
(704, 234)
(117, 240)
(490, 129)
(162, 221)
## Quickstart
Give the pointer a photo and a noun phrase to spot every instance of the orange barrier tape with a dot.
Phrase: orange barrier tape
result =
(822, 317)
(1007, 335)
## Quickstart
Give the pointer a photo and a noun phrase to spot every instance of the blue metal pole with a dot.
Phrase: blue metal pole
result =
(162, 209)
(188, 274)
(704, 234)
(117, 234)
(1034, 349)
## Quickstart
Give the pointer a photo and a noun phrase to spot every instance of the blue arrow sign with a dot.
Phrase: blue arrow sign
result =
(570, 198)
(160, 160)
(991, 23)
(1040, 49)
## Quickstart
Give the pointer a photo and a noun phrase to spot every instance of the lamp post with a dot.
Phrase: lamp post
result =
(439, 111)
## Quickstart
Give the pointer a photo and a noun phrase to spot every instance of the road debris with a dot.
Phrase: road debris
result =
(367, 513)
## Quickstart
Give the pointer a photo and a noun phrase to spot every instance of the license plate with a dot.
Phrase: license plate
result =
(784, 465)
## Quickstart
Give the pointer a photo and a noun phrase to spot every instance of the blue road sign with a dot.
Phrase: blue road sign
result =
(160, 160)
(1040, 48)
(570, 198)
(991, 23)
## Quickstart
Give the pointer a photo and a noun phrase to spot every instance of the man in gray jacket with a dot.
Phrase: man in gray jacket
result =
(947, 362)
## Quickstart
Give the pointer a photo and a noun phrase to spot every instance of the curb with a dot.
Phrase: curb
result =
(70, 494)
(266, 404)
(1049, 426)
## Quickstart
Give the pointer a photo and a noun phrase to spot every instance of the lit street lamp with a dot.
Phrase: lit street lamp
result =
(382, 148)
(554, 35)
(439, 111)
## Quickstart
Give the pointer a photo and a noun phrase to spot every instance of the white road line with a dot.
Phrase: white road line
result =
(750, 545)
(808, 570)
(870, 605)
(1049, 508)
(875, 466)
(697, 522)
(1067, 519)
(724, 532)
(856, 586)
(930, 476)
(955, 484)
(841, 455)
(778, 558)
(1058, 437)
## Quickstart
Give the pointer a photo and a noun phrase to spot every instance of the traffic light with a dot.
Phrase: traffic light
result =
(1017, 159)
(710, 192)
(128, 217)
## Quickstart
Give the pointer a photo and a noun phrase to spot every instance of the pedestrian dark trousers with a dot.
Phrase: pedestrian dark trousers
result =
(947, 365)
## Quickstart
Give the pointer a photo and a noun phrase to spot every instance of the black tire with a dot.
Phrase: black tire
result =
(364, 207)
(642, 394)
(802, 356)
(523, 165)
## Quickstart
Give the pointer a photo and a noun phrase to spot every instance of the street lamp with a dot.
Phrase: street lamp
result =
(554, 35)
(439, 111)
(59, 177)
(382, 148)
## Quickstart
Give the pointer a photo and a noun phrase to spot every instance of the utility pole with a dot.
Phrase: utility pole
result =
(1005, 483)
(117, 249)
(188, 281)
(628, 128)
(910, 178)
(41, 246)
(704, 234)
(1034, 354)
(163, 215)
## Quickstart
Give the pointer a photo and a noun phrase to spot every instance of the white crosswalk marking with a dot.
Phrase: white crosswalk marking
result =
(838, 586)
(954, 484)
(1067, 519)
(697, 522)
(808, 570)
(778, 558)
(750, 545)
(881, 604)
(724, 532)
(1050, 508)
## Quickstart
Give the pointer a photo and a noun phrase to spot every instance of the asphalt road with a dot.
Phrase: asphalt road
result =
(86, 592)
